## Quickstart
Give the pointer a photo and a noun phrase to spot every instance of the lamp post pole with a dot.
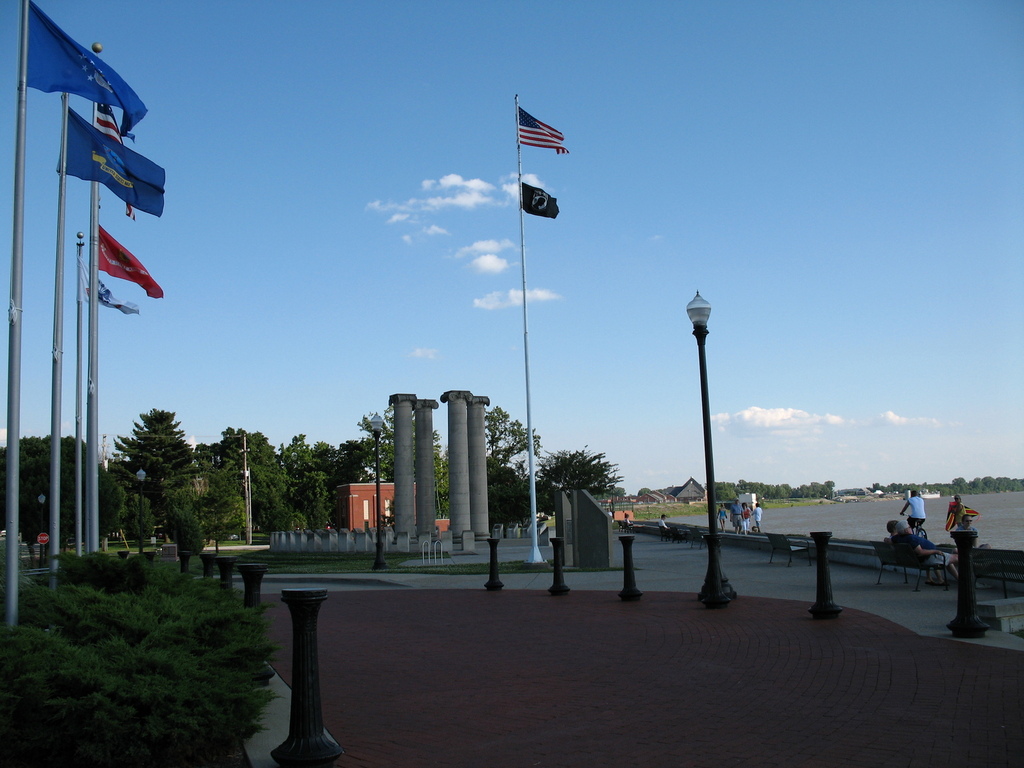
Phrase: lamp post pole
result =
(141, 474)
(716, 592)
(377, 424)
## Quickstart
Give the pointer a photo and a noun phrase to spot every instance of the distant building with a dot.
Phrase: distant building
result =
(355, 505)
(688, 492)
(854, 492)
(653, 497)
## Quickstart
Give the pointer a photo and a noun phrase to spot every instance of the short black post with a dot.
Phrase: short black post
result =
(558, 584)
(966, 623)
(150, 556)
(183, 557)
(629, 590)
(825, 607)
(124, 554)
(226, 566)
(208, 559)
(308, 745)
(252, 577)
(494, 583)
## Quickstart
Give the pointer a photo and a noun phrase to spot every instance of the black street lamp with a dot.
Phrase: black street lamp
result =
(377, 424)
(141, 474)
(716, 592)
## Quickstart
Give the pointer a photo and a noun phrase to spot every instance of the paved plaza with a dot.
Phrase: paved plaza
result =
(423, 670)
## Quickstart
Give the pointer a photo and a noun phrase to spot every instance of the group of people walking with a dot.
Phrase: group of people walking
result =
(745, 518)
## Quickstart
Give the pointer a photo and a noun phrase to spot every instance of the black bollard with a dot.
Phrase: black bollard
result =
(966, 623)
(558, 584)
(226, 565)
(494, 583)
(150, 556)
(124, 554)
(825, 607)
(308, 745)
(208, 559)
(252, 577)
(629, 590)
(183, 557)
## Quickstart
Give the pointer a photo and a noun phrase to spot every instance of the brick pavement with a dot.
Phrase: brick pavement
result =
(519, 678)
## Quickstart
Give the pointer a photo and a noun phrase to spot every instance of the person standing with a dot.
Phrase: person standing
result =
(736, 512)
(746, 515)
(757, 516)
(723, 514)
(917, 514)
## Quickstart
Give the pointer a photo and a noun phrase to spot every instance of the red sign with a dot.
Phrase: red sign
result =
(43, 538)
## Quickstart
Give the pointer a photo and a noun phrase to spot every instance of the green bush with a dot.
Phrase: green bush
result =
(131, 665)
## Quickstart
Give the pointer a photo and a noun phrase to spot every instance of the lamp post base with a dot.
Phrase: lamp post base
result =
(716, 592)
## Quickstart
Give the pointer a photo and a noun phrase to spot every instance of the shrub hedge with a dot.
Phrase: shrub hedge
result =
(129, 664)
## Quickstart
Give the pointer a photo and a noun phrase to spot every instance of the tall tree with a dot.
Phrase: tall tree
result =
(307, 483)
(508, 477)
(157, 445)
(581, 470)
(270, 509)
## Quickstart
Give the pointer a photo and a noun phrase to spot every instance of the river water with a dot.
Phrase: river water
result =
(1001, 523)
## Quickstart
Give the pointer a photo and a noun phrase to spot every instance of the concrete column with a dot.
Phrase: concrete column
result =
(477, 452)
(405, 502)
(458, 462)
(426, 483)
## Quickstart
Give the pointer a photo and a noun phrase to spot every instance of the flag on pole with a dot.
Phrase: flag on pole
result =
(538, 202)
(106, 298)
(95, 157)
(107, 125)
(534, 133)
(117, 261)
(56, 63)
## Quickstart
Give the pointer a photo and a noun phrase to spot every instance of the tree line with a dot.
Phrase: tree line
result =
(193, 494)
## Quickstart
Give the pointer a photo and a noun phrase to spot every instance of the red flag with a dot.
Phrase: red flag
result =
(118, 262)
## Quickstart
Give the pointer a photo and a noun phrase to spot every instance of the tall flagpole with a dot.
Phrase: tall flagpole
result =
(56, 384)
(78, 397)
(535, 556)
(13, 463)
(92, 432)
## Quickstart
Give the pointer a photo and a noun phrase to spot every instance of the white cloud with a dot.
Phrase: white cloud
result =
(425, 353)
(893, 419)
(489, 264)
(510, 184)
(796, 422)
(513, 298)
(433, 229)
(484, 248)
(456, 192)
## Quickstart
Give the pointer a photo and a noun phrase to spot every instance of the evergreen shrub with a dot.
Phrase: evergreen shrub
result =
(128, 664)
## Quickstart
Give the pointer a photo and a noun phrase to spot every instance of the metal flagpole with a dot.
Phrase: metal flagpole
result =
(535, 556)
(92, 432)
(56, 384)
(78, 399)
(13, 463)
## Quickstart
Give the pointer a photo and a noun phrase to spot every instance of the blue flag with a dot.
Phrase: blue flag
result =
(56, 63)
(95, 157)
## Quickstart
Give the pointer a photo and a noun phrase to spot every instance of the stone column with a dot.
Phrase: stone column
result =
(458, 462)
(426, 483)
(476, 427)
(405, 503)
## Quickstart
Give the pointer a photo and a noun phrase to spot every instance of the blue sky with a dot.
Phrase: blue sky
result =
(844, 182)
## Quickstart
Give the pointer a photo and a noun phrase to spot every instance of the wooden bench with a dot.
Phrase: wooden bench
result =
(625, 526)
(906, 557)
(781, 542)
(1002, 564)
(887, 556)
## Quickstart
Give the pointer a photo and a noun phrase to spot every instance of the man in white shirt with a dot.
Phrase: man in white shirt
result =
(917, 515)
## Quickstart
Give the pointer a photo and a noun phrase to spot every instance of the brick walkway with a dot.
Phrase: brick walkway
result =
(517, 678)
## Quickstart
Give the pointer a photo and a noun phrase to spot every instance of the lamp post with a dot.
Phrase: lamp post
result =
(716, 592)
(377, 424)
(141, 474)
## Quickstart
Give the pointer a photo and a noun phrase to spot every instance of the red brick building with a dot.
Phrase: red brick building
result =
(355, 505)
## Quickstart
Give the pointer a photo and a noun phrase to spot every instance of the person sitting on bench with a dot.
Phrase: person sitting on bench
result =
(927, 552)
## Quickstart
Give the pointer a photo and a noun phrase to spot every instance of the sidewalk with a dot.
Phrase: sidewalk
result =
(422, 670)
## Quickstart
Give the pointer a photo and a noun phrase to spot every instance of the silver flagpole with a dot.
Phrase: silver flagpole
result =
(56, 384)
(92, 438)
(535, 556)
(13, 463)
(78, 398)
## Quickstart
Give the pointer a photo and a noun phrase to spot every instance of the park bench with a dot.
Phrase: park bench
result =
(625, 526)
(1002, 564)
(887, 556)
(906, 557)
(781, 542)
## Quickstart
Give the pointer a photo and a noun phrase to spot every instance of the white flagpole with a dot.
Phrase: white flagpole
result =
(56, 384)
(13, 463)
(78, 398)
(92, 437)
(535, 556)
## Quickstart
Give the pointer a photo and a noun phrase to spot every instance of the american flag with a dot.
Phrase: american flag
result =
(534, 133)
(106, 124)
